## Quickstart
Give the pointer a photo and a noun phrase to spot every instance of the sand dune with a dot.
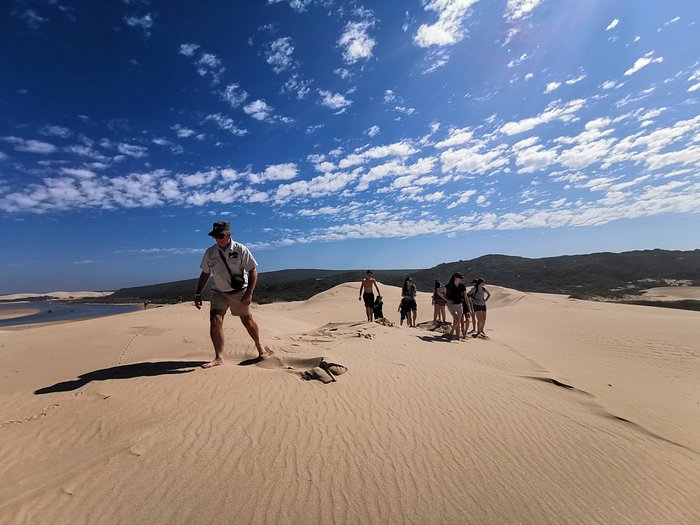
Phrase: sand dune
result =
(672, 293)
(574, 412)
(54, 295)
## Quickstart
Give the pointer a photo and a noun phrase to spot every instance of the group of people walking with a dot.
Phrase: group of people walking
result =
(464, 305)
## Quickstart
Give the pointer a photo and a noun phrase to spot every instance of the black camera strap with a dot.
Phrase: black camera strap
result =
(221, 254)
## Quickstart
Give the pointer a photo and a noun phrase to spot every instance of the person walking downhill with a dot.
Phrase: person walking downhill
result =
(367, 294)
(480, 296)
(234, 275)
(455, 291)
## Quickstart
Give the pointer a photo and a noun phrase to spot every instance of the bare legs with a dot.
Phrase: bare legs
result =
(216, 331)
(370, 314)
(480, 321)
(456, 325)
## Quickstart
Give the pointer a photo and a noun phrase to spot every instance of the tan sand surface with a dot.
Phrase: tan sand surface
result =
(18, 312)
(672, 293)
(54, 295)
(572, 412)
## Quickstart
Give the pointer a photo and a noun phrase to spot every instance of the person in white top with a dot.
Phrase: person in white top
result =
(233, 271)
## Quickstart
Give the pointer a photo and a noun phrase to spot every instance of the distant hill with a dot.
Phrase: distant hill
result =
(604, 275)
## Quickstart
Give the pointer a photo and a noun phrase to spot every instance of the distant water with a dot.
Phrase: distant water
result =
(51, 312)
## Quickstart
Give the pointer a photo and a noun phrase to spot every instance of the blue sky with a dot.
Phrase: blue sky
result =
(375, 134)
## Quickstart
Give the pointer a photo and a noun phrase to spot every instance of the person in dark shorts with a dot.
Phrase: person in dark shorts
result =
(479, 297)
(439, 303)
(408, 301)
(367, 294)
(454, 295)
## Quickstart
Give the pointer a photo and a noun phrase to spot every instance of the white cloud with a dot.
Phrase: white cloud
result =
(448, 29)
(398, 149)
(334, 100)
(530, 157)
(56, 131)
(396, 168)
(145, 22)
(694, 87)
(373, 131)
(320, 186)
(575, 80)
(612, 25)
(183, 132)
(207, 64)
(188, 49)
(356, 42)
(552, 86)
(643, 62)
(234, 95)
(342, 73)
(463, 199)
(132, 150)
(78, 173)
(298, 5)
(226, 123)
(517, 9)
(295, 84)
(473, 160)
(275, 172)
(456, 137)
(554, 111)
(258, 109)
(279, 54)
(31, 145)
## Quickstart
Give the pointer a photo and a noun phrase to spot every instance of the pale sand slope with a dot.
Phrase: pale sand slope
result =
(54, 295)
(418, 431)
(672, 293)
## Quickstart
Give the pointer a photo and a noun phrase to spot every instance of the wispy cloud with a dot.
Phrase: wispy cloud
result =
(144, 22)
(355, 40)
(517, 9)
(643, 62)
(448, 29)
(612, 25)
(334, 100)
(30, 145)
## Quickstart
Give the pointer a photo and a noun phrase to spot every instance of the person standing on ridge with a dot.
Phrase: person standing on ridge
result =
(367, 294)
(234, 275)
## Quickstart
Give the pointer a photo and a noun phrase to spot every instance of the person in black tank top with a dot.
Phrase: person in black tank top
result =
(455, 291)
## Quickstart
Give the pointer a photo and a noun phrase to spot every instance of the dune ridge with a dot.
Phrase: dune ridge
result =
(573, 411)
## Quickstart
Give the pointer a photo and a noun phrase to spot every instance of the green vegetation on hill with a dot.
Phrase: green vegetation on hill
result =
(604, 275)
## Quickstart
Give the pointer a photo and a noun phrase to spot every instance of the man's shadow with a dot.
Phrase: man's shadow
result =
(146, 369)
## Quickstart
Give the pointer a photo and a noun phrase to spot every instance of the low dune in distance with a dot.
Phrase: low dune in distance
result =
(572, 411)
(54, 295)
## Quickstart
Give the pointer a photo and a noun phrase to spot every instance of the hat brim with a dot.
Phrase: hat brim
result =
(216, 233)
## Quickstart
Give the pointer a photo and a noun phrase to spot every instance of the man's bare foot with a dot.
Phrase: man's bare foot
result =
(264, 351)
(216, 362)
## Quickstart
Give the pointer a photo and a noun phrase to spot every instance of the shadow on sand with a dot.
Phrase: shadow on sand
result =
(129, 371)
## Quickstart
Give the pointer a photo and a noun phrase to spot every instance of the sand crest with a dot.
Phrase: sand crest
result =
(573, 412)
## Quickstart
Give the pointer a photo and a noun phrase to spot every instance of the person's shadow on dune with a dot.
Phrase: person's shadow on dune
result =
(146, 369)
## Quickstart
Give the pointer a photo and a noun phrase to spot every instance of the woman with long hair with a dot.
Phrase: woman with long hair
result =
(439, 303)
(454, 292)
(408, 301)
(479, 297)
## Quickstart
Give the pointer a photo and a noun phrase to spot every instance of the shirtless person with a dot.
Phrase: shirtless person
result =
(367, 294)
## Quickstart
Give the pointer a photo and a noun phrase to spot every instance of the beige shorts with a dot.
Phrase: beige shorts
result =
(455, 309)
(220, 302)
